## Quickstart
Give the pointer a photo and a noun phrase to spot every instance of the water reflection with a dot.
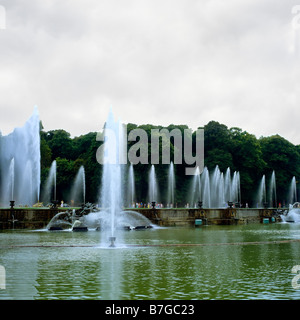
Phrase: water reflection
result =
(212, 271)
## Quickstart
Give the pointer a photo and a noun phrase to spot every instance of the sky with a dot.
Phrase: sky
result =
(152, 61)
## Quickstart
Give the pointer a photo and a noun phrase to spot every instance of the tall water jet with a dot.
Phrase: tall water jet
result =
(235, 188)
(111, 199)
(110, 220)
(262, 195)
(227, 186)
(27, 183)
(49, 192)
(153, 187)
(171, 185)
(272, 191)
(214, 190)
(22, 145)
(79, 188)
(12, 178)
(217, 194)
(205, 181)
(292, 196)
(131, 187)
(195, 191)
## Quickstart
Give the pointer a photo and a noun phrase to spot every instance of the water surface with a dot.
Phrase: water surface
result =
(159, 263)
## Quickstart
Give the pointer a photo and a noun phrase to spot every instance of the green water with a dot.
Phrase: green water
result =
(37, 268)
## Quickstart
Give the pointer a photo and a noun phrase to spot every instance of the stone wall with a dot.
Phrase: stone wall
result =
(38, 218)
(20, 218)
(180, 217)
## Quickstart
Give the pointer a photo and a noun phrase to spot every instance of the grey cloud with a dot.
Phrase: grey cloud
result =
(153, 61)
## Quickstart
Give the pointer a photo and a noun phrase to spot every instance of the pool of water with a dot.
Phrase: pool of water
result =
(211, 262)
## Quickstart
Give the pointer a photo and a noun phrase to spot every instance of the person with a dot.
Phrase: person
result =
(61, 203)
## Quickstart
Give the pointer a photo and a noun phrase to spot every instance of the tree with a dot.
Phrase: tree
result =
(217, 141)
(282, 157)
(247, 159)
(60, 144)
(233, 148)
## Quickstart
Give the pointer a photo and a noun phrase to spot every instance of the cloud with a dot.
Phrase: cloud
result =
(157, 62)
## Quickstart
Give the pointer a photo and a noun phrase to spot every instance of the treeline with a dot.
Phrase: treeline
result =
(223, 146)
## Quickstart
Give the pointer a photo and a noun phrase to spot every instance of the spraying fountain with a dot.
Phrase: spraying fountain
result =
(111, 188)
(131, 187)
(79, 188)
(20, 163)
(272, 191)
(214, 190)
(12, 178)
(205, 181)
(292, 214)
(171, 186)
(111, 218)
(196, 188)
(49, 192)
(153, 186)
(262, 194)
(292, 196)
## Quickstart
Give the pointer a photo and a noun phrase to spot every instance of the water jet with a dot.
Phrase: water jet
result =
(112, 241)
(20, 163)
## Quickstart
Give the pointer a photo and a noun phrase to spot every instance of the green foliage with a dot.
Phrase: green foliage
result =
(223, 146)
(283, 157)
(60, 143)
(217, 143)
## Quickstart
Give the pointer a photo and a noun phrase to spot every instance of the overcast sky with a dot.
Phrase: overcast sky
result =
(152, 61)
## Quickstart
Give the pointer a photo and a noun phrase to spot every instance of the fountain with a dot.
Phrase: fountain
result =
(196, 188)
(171, 186)
(293, 214)
(131, 187)
(236, 188)
(78, 189)
(153, 187)
(217, 189)
(214, 190)
(111, 188)
(110, 219)
(205, 181)
(292, 196)
(61, 221)
(227, 185)
(272, 191)
(12, 177)
(50, 185)
(262, 195)
(20, 163)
